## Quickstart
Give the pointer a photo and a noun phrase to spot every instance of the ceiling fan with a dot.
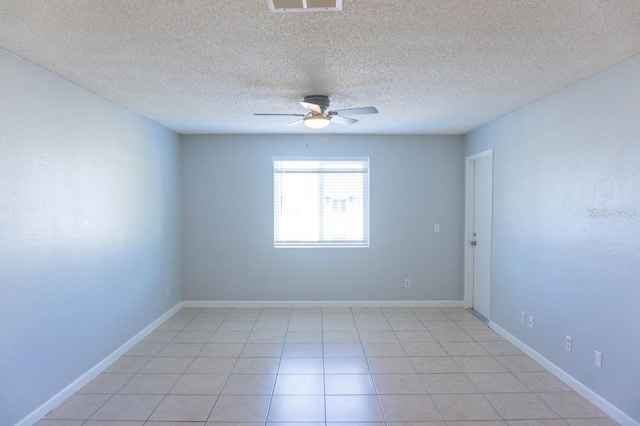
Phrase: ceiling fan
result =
(318, 116)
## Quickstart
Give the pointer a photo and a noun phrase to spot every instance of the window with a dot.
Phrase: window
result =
(321, 202)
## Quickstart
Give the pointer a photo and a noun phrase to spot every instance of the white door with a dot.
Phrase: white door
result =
(479, 225)
(482, 237)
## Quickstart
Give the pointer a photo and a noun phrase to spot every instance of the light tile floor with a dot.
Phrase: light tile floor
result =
(338, 366)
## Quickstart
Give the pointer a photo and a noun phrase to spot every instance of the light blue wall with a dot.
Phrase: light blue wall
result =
(228, 251)
(554, 160)
(89, 231)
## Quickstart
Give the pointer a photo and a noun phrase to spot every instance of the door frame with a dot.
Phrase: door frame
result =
(469, 210)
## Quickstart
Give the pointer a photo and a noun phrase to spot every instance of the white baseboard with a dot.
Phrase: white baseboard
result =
(320, 304)
(94, 371)
(610, 409)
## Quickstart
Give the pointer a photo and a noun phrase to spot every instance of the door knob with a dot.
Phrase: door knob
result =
(473, 243)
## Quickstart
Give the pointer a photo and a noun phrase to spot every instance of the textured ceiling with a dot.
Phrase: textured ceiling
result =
(205, 66)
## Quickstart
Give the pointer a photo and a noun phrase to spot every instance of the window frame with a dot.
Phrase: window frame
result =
(364, 243)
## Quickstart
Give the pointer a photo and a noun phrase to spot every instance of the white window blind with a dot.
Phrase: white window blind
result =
(321, 202)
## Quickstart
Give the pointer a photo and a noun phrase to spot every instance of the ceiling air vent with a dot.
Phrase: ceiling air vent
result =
(304, 5)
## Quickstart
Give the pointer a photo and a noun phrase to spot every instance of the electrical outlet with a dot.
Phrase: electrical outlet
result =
(407, 283)
(522, 316)
(168, 291)
(598, 359)
(568, 343)
(531, 321)
(436, 227)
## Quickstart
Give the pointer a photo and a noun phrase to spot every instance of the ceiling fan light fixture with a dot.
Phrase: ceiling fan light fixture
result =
(316, 121)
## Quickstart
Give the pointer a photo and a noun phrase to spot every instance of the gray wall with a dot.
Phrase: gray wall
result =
(89, 231)
(554, 160)
(228, 251)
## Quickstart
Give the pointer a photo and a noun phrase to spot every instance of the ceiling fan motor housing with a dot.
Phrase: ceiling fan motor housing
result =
(320, 100)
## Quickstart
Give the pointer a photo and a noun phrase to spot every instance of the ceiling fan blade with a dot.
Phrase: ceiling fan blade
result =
(293, 115)
(295, 122)
(355, 111)
(342, 120)
(312, 107)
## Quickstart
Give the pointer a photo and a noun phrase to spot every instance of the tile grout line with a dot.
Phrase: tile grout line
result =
(226, 380)
(133, 375)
